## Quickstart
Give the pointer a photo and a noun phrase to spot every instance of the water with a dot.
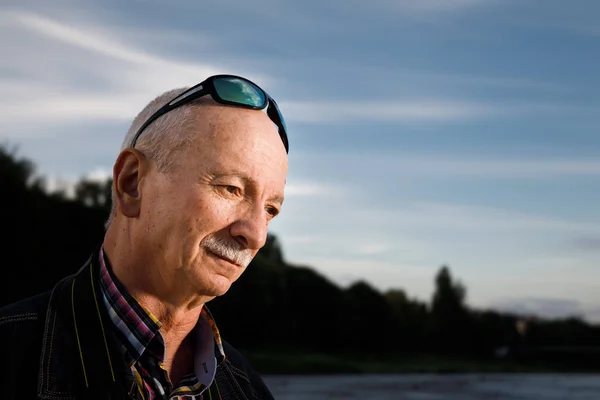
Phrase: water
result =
(437, 387)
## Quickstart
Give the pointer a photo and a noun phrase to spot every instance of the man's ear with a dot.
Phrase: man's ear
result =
(128, 171)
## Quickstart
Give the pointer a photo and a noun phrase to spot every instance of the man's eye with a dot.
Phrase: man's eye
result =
(231, 189)
(272, 211)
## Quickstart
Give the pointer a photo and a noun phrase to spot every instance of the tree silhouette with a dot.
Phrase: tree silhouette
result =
(410, 319)
(369, 313)
(15, 171)
(450, 322)
(449, 296)
(93, 193)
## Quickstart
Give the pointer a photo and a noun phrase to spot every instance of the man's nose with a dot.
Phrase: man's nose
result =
(251, 228)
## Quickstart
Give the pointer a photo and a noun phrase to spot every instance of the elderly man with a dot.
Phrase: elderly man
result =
(200, 176)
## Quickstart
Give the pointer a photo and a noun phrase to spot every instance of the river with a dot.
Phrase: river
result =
(437, 387)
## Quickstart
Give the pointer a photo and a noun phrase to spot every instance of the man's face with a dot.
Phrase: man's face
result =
(206, 219)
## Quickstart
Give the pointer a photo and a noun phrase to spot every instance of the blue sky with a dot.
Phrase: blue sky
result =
(422, 133)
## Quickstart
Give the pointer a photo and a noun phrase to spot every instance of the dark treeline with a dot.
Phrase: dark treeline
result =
(278, 306)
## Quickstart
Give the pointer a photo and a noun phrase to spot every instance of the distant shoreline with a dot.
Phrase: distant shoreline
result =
(273, 363)
(435, 387)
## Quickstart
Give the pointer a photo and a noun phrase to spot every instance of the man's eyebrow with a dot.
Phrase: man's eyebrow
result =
(277, 199)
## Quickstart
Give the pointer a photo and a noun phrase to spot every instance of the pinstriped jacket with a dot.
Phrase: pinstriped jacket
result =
(52, 342)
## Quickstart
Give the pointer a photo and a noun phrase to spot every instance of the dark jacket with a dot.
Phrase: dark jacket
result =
(60, 345)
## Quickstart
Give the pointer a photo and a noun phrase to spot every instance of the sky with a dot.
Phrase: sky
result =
(438, 132)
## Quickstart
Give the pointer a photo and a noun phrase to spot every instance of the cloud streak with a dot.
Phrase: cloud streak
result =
(91, 75)
(390, 111)
(431, 110)
(312, 189)
(451, 217)
(50, 29)
(441, 6)
(400, 164)
(423, 8)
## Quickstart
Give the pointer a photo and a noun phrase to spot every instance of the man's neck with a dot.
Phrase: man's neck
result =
(179, 361)
(179, 349)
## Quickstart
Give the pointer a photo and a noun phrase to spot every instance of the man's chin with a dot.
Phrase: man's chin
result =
(219, 286)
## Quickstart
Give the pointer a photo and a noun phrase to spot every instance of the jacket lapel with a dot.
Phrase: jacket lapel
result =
(80, 357)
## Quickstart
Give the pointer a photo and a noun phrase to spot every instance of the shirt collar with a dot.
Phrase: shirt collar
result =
(136, 327)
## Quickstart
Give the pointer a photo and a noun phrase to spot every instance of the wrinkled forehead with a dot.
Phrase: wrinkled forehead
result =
(229, 135)
(237, 127)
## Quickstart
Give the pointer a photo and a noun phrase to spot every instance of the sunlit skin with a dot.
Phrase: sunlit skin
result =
(229, 182)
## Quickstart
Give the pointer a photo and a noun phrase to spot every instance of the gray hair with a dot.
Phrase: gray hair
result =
(162, 138)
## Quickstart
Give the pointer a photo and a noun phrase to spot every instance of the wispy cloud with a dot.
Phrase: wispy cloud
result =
(58, 31)
(399, 164)
(430, 233)
(95, 38)
(93, 74)
(303, 239)
(516, 168)
(408, 110)
(423, 8)
(424, 78)
(312, 189)
(441, 6)
(373, 248)
(469, 218)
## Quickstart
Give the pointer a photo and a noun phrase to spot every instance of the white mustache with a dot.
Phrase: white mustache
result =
(230, 250)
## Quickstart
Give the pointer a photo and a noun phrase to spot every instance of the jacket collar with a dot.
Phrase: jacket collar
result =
(80, 358)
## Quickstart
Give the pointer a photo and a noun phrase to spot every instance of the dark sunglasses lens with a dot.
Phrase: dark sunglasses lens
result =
(240, 91)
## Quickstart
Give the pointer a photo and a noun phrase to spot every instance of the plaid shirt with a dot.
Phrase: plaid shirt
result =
(143, 345)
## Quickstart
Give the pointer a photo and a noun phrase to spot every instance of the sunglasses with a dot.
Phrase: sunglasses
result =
(230, 90)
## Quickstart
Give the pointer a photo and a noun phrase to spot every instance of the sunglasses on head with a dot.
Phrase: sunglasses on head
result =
(225, 89)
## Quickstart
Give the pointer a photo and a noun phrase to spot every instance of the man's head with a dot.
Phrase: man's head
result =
(194, 198)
